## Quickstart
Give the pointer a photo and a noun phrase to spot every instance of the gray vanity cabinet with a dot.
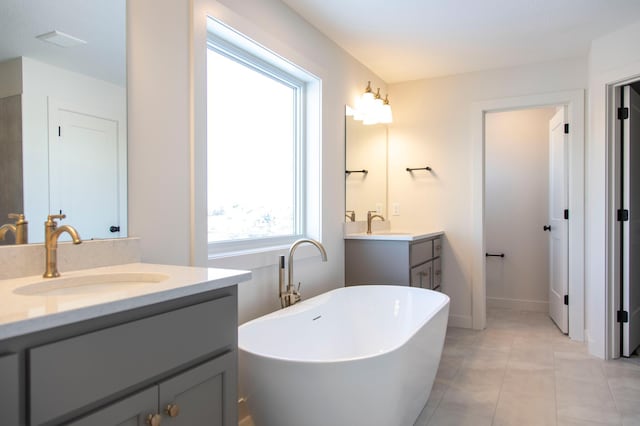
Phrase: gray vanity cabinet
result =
(121, 368)
(396, 262)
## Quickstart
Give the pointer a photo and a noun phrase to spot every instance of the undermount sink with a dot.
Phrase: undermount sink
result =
(89, 284)
(391, 233)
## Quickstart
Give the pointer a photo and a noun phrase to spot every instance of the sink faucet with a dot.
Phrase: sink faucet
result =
(370, 218)
(51, 234)
(291, 295)
(351, 215)
(19, 229)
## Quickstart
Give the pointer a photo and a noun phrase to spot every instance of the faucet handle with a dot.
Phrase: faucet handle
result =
(53, 217)
(18, 216)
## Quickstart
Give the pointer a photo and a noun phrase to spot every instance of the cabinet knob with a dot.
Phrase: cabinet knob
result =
(172, 410)
(154, 419)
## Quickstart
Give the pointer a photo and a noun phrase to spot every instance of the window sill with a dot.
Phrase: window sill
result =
(258, 258)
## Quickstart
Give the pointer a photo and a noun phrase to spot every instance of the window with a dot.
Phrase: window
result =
(256, 146)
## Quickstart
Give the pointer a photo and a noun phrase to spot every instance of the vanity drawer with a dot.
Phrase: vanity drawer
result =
(67, 375)
(421, 252)
(437, 246)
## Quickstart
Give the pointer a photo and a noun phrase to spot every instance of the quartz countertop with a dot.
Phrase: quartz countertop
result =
(392, 235)
(22, 313)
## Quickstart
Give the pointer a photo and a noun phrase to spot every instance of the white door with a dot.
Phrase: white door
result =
(631, 228)
(83, 167)
(559, 231)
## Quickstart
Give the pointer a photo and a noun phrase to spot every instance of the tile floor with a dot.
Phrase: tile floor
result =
(521, 370)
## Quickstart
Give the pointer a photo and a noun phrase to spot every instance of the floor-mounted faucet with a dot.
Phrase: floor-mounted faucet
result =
(291, 294)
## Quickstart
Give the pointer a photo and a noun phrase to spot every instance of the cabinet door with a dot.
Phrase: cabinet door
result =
(204, 395)
(421, 275)
(132, 411)
(9, 390)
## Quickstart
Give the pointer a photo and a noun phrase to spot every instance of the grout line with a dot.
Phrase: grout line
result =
(504, 374)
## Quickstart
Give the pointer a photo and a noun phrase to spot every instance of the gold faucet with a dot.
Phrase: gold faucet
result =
(19, 229)
(351, 215)
(370, 218)
(51, 234)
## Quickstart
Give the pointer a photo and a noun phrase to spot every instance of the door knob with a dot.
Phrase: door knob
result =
(546, 228)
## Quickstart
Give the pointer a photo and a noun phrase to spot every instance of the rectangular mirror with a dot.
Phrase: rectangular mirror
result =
(366, 168)
(63, 115)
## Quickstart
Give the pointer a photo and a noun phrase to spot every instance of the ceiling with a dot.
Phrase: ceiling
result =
(402, 40)
(101, 23)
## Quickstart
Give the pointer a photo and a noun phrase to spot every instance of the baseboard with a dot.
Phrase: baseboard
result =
(461, 321)
(518, 304)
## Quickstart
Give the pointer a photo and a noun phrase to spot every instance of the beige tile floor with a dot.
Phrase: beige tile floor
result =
(521, 370)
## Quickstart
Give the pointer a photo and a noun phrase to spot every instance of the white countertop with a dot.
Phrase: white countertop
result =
(22, 314)
(392, 235)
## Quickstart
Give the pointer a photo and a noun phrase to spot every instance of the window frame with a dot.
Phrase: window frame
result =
(272, 66)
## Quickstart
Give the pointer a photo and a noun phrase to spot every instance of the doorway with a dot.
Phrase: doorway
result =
(574, 101)
(525, 199)
(626, 220)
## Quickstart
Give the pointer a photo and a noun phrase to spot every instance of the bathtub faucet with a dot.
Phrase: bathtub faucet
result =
(291, 294)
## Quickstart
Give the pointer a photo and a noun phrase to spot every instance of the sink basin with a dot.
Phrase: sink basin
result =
(89, 284)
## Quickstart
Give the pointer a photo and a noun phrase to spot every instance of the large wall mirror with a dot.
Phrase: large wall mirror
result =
(63, 115)
(366, 168)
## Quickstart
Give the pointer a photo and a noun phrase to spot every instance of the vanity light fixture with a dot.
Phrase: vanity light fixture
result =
(60, 39)
(386, 116)
(371, 108)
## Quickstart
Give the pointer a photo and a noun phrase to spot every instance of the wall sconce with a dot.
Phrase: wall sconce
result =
(370, 108)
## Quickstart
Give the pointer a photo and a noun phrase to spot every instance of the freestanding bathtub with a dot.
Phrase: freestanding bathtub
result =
(363, 355)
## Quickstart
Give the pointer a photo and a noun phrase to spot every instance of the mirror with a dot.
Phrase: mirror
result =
(63, 116)
(366, 168)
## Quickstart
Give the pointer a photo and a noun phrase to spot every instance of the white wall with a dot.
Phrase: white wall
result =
(432, 125)
(160, 132)
(613, 58)
(517, 207)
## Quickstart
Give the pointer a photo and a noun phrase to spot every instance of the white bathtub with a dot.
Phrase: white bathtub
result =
(364, 355)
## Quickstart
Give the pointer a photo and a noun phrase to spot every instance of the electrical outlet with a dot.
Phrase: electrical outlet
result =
(379, 208)
(396, 209)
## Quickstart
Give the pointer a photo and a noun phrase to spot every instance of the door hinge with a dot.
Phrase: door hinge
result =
(566, 214)
(623, 316)
(59, 131)
(566, 299)
(566, 128)
(623, 215)
(623, 113)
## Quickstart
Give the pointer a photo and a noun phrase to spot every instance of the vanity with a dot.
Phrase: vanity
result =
(128, 344)
(396, 258)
